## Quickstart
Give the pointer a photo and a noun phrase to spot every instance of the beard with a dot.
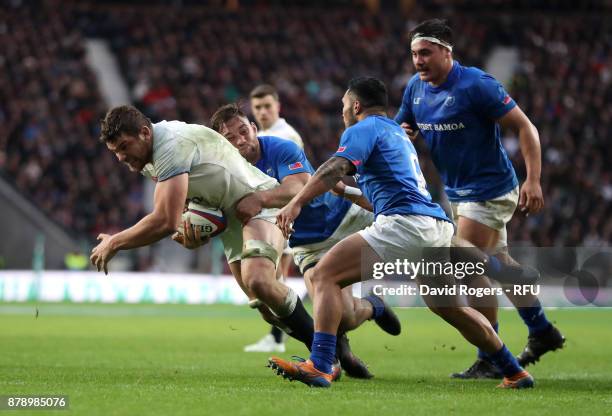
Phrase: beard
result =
(350, 119)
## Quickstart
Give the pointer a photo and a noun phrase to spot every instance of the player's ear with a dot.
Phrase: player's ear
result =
(357, 107)
(447, 53)
(145, 132)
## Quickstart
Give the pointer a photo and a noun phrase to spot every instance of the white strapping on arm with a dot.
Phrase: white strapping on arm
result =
(352, 191)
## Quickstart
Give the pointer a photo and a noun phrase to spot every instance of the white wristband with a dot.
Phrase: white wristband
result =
(352, 191)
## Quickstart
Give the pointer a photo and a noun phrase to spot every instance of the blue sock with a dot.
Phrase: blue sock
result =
(505, 362)
(494, 264)
(323, 352)
(378, 307)
(483, 355)
(535, 318)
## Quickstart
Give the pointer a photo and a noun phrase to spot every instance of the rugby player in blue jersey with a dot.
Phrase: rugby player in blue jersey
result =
(323, 222)
(458, 111)
(379, 153)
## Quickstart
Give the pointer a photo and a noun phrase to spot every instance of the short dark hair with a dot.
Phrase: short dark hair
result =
(124, 119)
(370, 91)
(262, 90)
(436, 28)
(225, 114)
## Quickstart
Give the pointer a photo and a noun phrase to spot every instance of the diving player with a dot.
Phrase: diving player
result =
(193, 162)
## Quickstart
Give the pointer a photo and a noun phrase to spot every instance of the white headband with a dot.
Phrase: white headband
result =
(431, 39)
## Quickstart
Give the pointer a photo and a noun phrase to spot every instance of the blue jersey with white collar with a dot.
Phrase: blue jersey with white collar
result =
(457, 120)
(388, 171)
(321, 216)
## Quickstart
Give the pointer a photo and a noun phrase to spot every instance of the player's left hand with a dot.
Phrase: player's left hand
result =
(530, 197)
(285, 218)
(103, 253)
(248, 207)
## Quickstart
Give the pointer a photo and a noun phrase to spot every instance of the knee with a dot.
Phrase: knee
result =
(258, 285)
(316, 278)
(320, 278)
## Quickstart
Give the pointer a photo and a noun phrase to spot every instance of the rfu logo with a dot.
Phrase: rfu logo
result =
(417, 100)
(449, 101)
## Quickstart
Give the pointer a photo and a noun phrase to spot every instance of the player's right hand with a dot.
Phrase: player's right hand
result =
(286, 216)
(412, 133)
(189, 237)
(338, 189)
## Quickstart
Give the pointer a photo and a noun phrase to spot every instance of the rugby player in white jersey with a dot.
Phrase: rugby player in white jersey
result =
(194, 163)
(265, 106)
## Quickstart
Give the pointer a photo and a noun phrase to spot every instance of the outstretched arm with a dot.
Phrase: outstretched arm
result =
(169, 201)
(325, 178)
(352, 194)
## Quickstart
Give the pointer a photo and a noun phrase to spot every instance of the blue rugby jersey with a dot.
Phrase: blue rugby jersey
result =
(388, 171)
(457, 120)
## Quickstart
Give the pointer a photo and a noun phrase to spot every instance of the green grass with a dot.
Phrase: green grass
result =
(148, 360)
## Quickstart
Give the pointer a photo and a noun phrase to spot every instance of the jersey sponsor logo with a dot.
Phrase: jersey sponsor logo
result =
(341, 149)
(464, 192)
(417, 101)
(441, 126)
(449, 101)
(296, 165)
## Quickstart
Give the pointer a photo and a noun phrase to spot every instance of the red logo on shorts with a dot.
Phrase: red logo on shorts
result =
(341, 149)
(296, 165)
(507, 100)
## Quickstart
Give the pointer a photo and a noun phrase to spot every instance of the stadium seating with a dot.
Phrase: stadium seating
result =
(183, 65)
(50, 109)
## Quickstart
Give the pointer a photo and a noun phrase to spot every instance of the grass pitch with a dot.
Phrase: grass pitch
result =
(150, 360)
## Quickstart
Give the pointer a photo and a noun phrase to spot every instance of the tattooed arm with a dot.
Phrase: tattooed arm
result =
(325, 178)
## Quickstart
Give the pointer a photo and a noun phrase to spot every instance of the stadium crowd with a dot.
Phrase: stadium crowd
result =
(50, 109)
(184, 64)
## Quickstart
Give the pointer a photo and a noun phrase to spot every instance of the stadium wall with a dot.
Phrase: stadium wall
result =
(22, 222)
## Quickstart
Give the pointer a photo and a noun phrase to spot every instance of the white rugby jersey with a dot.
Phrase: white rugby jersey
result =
(218, 175)
(283, 130)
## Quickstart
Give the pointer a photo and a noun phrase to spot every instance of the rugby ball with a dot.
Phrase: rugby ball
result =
(210, 221)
